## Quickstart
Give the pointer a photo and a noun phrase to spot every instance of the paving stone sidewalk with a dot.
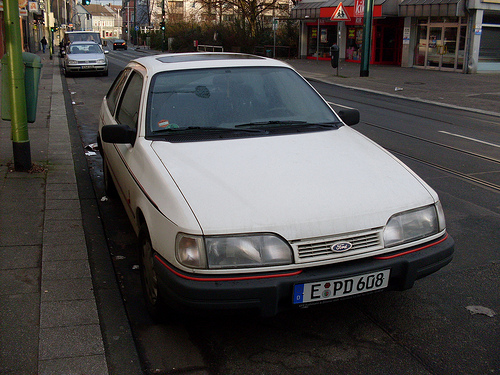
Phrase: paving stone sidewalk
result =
(49, 321)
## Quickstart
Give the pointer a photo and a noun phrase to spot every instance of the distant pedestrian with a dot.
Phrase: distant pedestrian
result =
(43, 43)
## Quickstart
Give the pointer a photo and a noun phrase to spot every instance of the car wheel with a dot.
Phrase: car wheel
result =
(149, 277)
(105, 73)
(109, 185)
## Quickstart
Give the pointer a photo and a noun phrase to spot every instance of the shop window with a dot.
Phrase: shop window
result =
(354, 43)
(489, 50)
(327, 37)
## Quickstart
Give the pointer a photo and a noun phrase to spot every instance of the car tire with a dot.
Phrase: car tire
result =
(149, 277)
(105, 73)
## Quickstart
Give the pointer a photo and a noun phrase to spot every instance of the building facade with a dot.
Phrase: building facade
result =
(105, 21)
(454, 35)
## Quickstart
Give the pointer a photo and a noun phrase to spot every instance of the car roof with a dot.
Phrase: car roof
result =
(199, 60)
(84, 42)
(81, 32)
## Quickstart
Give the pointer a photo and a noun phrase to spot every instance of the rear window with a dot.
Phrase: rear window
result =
(84, 37)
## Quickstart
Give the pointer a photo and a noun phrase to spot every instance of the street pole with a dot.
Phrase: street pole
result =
(367, 39)
(162, 26)
(15, 74)
(135, 22)
(274, 37)
(49, 33)
(317, 42)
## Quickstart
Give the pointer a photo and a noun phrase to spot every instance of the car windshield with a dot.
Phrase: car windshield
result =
(85, 48)
(264, 98)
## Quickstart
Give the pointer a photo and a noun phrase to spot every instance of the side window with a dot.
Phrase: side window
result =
(115, 89)
(128, 109)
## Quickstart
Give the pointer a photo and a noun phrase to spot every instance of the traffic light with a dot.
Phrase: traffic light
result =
(85, 2)
(162, 25)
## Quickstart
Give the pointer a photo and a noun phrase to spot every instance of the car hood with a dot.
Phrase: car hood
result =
(301, 185)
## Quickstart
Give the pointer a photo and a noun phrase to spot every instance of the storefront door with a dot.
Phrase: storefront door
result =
(440, 46)
(387, 42)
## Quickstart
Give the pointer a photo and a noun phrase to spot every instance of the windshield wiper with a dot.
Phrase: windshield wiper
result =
(291, 123)
(272, 122)
(205, 128)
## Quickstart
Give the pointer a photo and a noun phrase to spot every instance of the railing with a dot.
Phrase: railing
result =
(207, 48)
(281, 51)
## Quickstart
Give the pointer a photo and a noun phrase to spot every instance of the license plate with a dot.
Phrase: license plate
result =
(338, 288)
(87, 67)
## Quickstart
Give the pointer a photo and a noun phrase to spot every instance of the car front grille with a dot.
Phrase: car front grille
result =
(319, 249)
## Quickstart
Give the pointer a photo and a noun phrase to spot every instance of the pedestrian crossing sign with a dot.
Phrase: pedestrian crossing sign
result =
(340, 14)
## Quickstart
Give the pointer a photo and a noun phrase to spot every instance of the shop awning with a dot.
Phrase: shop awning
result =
(432, 8)
(304, 10)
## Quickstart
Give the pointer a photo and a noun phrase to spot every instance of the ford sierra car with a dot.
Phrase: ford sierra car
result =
(247, 191)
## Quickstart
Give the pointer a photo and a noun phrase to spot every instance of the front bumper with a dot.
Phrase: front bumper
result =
(87, 68)
(273, 292)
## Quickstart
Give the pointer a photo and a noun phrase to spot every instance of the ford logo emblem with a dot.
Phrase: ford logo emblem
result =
(341, 247)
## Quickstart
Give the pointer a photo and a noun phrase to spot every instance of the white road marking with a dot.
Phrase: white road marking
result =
(339, 105)
(470, 139)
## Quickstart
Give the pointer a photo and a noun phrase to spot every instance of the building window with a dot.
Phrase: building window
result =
(441, 43)
(354, 42)
(489, 50)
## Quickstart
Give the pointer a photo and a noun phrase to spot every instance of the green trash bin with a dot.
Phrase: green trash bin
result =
(32, 69)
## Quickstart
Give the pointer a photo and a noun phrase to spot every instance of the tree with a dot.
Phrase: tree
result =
(250, 11)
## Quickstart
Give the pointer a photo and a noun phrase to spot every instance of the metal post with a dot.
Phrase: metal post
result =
(274, 38)
(317, 42)
(367, 38)
(163, 26)
(15, 74)
(135, 23)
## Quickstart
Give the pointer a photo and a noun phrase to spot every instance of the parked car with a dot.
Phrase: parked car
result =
(248, 191)
(85, 57)
(79, 36)
(119, 44)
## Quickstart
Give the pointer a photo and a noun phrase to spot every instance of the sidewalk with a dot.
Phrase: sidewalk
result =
(56, 314)
(478, 92)
(49, 320)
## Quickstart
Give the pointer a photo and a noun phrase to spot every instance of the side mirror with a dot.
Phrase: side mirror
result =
(121, 134)
(349, 116)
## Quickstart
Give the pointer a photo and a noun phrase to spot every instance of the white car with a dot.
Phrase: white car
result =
(85, 57)
(247, 191)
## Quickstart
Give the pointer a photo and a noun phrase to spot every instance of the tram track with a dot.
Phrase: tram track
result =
(464, 176)
(470, 153)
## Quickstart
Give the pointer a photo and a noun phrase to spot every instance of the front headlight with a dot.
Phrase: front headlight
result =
(73, 62)
(247, 251)
(101, 61)
(232, 251)
(413, 225)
